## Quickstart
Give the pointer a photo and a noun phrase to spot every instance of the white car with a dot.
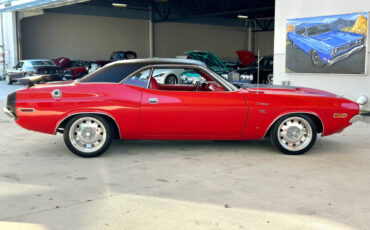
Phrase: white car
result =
(168, 76)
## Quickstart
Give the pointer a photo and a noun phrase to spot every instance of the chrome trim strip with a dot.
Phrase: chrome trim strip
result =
(281, 115)
(345, 55)
(8, 113)
(101, 113)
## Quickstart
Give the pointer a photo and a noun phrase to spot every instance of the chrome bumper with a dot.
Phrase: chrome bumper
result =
(345, 55)
(360, 117)
(8, 113)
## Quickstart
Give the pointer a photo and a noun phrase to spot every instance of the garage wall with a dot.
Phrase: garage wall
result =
(351, 86)
(173, 39)
(264, 41)
(82, 37)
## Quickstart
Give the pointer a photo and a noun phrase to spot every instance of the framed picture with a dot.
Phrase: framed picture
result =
(327, 44)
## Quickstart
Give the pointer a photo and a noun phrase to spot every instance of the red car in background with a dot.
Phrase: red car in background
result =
(123, 100)
(73, 68)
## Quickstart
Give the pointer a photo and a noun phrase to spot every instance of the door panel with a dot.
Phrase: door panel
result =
(193, 115)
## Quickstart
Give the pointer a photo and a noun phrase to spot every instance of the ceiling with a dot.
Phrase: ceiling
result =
(260, 11)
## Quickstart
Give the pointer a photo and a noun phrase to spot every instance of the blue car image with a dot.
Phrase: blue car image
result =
(324, 45)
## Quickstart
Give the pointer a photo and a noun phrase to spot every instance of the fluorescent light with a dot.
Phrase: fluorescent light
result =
(120, 5)
(242, 17)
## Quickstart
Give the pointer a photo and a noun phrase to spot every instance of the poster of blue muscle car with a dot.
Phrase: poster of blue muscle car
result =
(327, 44)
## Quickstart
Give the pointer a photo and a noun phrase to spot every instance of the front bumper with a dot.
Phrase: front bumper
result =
(361, 117)
(8, 113)
(345, 55)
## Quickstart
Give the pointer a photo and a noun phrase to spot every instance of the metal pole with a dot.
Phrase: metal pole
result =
(258, 70)
(3, 44)
(151, 49)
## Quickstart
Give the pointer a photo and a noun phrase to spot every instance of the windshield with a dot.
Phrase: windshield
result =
(319, 29)
(42, 63)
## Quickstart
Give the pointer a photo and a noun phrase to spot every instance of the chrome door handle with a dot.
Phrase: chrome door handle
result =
(153, 100)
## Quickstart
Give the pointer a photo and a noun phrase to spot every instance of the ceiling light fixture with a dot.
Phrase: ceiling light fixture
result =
(120, 5)
(242, 17)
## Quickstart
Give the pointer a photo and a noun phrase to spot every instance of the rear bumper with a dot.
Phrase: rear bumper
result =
(9, 113)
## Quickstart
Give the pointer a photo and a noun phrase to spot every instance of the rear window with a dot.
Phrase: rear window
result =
(114, 73)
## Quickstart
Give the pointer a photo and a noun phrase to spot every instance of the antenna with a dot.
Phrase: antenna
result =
(258, 70)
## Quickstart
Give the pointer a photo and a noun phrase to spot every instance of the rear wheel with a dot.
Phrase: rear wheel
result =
(88, 135)
(294, 134)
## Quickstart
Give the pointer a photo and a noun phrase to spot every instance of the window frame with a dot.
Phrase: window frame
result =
(181, 66)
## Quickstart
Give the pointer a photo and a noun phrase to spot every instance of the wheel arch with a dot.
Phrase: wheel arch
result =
(316, 119)
(171, 74)
(61, 124)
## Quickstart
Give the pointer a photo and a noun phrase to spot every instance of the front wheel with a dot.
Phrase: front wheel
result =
(88, 135)
(316, 61)
(294, 134)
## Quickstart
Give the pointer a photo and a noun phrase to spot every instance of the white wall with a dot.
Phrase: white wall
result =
(82, 37)
(351, 86)
(8, 26)
(173, 39)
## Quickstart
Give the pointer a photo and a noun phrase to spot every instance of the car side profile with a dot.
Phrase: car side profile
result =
(324, 45)
(124, 101)
(31, 67)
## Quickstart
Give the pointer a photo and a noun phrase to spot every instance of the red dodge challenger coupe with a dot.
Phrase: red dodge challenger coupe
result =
(123, 100)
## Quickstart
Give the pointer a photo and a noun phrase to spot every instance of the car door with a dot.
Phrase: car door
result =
(182, 114)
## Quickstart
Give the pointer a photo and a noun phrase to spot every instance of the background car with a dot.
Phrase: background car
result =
(248, 73)
(323, 44)
(34, 67)
(115, 56)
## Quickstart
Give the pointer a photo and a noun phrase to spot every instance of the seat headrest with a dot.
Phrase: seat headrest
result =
(153, 83)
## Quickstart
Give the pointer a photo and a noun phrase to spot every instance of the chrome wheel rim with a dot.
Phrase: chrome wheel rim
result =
(7, 79)
(87, 134)
(315, 58)
(295, 133)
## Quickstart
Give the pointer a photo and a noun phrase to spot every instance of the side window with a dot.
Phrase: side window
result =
(19, 65)
(183, 79)
(301, 31)
(140, 79)
(114, 73)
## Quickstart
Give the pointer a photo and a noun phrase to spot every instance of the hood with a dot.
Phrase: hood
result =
(211, 60)
(337, 38)
(246, 57)
(286, 90)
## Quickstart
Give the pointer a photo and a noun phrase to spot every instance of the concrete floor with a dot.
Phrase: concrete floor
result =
(183, 185)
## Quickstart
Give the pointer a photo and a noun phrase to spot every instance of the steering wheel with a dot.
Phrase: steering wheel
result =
(197, 84)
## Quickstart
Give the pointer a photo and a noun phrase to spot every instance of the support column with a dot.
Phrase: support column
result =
(151, 48)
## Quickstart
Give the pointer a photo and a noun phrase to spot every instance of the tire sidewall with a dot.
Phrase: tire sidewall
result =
(8, 80)
(274, 136)
(171, 75)
(100, 151)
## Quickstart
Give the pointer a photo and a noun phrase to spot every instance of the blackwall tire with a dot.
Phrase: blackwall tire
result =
(8, 80)
(88, 135)
(294, 134)
(315, 59)
(171, 79)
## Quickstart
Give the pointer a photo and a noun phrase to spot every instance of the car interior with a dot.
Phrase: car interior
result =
(204, 83)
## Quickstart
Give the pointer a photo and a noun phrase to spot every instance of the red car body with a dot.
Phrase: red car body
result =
(242, 114)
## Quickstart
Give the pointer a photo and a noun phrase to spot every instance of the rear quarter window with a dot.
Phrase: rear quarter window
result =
(113, 74)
